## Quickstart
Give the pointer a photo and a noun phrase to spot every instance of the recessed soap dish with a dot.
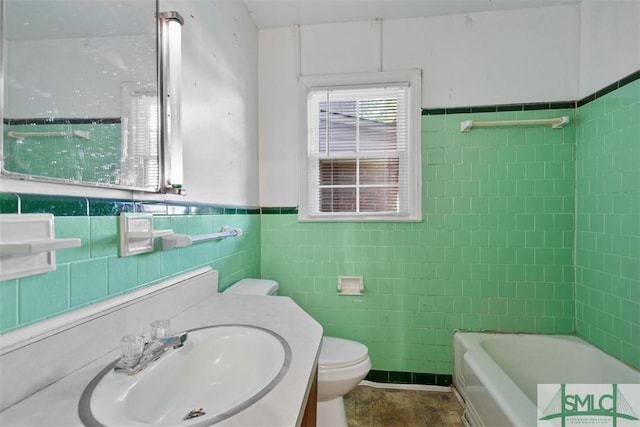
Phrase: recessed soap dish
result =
(350, 285)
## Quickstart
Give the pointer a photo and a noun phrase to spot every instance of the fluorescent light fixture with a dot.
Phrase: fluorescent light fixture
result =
(170, 99)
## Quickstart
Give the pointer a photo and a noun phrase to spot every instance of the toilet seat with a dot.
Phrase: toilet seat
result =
(339, 353)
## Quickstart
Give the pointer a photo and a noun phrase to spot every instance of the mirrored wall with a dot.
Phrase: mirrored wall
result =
(80, 101)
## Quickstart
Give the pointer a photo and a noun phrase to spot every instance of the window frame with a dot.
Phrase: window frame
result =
(410, 78)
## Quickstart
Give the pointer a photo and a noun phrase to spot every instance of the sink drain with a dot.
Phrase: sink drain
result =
(194, 413)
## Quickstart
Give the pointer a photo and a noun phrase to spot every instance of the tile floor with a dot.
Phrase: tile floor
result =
(368, 406)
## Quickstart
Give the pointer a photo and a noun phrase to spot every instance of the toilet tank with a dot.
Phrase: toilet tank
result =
(251, 286)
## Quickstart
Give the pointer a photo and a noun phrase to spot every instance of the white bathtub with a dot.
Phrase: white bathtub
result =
(497, 374)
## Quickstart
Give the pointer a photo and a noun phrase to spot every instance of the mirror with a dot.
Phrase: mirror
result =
(81, 92)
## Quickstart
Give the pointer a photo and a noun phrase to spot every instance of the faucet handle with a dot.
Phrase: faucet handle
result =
(159, 329)
(182, 337)
(131, 348)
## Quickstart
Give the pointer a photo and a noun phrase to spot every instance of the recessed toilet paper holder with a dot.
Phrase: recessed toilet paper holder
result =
(350, 285)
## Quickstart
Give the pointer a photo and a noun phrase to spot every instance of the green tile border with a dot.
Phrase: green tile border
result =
(279, 211)
(109, 207)
(610, 88)
(83, 206)
(534, 106)
(56, 205)
(418, 378)
(9, 203)
(499, 108)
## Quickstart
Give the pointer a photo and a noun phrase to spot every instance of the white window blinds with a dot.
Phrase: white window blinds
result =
(358, 145)
(140, 165)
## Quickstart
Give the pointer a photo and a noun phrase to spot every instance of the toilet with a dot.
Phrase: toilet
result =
(342, 363)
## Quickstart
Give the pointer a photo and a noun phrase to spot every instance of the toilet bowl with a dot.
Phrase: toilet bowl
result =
(341, 366)
(342, 363)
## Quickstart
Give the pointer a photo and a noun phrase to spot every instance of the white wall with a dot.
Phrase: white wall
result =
(526, 55)
(609, 43)
(278, 122)
(473, 59)
(219, 109)
(220, 101)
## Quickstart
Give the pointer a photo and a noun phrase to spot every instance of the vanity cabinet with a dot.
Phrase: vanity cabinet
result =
(311, 409)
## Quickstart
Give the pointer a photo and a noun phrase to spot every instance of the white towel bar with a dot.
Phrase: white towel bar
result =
(556, 123)
(84, 134)
(182, 240)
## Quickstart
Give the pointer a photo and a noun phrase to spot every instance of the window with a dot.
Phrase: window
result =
(140, 165)
(363, 156)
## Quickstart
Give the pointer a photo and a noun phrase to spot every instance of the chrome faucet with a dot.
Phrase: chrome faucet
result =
(152, 351)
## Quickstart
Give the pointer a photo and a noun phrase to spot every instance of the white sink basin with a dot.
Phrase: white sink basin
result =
(220, 371)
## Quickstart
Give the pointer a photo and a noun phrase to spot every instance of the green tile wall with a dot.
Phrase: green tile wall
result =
(608, 223)
(96, 159)
(494, 252)
(93, 271)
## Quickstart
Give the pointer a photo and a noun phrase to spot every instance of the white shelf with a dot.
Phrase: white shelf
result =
(28, 245)
(34, 247)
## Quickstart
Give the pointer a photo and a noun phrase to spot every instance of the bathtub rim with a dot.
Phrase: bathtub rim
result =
(471, 345)
(487, 371)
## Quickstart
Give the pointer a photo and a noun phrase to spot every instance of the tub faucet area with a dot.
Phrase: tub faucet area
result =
(152, 351)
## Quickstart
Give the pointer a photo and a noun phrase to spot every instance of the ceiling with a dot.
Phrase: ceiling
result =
(284, 13)
(37, 19)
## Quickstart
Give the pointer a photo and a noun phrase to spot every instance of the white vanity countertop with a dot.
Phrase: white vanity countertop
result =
(57, 404)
